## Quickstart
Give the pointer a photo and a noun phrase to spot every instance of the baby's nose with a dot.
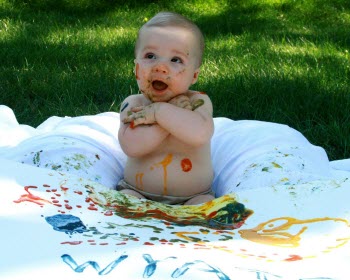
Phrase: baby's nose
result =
(161, 67)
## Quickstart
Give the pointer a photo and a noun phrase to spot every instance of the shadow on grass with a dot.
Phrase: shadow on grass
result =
(51, 76)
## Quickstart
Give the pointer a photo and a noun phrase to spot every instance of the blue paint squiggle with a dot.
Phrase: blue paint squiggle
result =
(80, 268)
(208, 268)
(152, 265)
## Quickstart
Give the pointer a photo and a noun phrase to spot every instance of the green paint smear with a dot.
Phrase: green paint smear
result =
(197, 103)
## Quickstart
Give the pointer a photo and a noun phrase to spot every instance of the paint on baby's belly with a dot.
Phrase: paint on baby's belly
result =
(164, 164)
(139, 182)
(186, 165)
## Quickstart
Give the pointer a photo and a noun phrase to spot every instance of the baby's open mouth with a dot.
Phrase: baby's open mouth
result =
(159, 85)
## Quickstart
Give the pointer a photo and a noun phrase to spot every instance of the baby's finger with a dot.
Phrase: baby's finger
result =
(137, 109)
(129, 118)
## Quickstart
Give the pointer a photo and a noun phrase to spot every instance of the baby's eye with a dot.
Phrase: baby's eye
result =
(176, 60)
(150, 56)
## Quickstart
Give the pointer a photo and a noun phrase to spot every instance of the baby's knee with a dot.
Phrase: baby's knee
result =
(199, 199)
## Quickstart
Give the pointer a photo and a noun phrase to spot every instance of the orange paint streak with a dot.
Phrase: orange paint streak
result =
(30, 197)
(293, 258)
(281, 235)
(132, 124)
(138, 179)
(164, 163)
(186, 165)
(202, 92)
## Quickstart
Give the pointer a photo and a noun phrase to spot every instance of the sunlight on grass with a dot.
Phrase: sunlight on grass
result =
(99, 36)
(204, 7)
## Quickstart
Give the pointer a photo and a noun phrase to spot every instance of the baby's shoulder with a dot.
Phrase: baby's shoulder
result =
(136, 100)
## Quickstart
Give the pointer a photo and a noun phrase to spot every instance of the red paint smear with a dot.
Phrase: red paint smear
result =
(78, 206)
(68, 207)
(30, 197)
(122, 243)
(55, 201)
(108, 213)
(48, 191)
(72, 242)
(132, 125)
(92, 208)
(202, 92)
(54, 190)
(186, 165)
(104, 243)
(46, 186)
(64, 189)
(57, 204)
(78, 192)
(148, 243)
(294, 258)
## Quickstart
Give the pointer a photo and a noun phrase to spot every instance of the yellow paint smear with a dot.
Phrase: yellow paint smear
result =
(267, 233)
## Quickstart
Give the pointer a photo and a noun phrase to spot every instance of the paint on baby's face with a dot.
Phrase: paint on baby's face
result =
(137, 71)
(186, 165)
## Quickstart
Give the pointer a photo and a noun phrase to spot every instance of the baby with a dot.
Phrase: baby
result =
(166, 130)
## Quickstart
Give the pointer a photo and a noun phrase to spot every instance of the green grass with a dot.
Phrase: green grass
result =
(284, 61)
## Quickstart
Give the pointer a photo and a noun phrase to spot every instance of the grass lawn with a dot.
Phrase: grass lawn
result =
(284, 61)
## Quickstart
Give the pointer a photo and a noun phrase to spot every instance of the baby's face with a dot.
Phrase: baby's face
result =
(166, 62)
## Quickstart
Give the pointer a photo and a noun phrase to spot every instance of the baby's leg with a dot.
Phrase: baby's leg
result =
(132, 192)
(199, 199)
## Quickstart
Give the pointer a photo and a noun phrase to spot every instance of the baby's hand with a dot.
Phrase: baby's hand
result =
(141, 115)
(181, 101)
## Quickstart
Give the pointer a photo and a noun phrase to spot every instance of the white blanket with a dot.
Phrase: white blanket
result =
(299, 224)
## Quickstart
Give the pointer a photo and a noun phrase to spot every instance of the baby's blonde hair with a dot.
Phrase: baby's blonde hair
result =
(164, 19)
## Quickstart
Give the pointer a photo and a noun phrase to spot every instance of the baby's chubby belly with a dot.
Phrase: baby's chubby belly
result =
(170, 174)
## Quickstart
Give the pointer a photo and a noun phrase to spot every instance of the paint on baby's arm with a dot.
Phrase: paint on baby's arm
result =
(124, 106)
(202, 92)
(186, 165)
(197, 103)
(132, 124)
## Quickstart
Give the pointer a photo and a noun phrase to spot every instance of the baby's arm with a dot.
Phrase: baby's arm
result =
(188, 117)
(194, 127)
(143, 140)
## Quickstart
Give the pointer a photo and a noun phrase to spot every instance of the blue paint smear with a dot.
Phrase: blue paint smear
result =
(151, 265)
(211, 269)
(66, 223)
(80, 268)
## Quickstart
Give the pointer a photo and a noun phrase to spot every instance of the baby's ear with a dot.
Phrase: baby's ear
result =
(195, 76)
